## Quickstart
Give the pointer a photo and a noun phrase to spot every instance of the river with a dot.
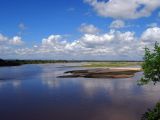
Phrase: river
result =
(33, 92)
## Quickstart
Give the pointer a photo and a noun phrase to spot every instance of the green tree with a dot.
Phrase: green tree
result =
(151, 68)
(151, 65)
(152, 114)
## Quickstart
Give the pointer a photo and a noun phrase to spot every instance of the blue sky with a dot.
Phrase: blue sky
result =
(43, 18)
(31, 21)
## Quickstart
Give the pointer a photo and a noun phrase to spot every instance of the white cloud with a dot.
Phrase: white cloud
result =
(151, 35)
(90, 39)
(51, 40)
(16, 40)
(117, 24)
(126, 9)
(113, 45)
(54, 43)
(3, 38)
(88, 28)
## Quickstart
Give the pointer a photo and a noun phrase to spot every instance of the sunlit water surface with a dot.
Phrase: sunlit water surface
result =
(33, 92)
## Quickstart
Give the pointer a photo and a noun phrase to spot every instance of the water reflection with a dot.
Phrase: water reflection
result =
(48, 97)
(51, 83)
(13, 83)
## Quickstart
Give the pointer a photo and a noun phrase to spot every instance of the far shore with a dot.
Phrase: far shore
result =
(91, 69)
(112, 64)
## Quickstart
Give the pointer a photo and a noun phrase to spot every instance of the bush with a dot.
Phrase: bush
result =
(151, 65)
(153, 114)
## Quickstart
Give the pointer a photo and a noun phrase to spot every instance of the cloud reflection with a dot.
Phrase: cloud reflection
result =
(13, 83)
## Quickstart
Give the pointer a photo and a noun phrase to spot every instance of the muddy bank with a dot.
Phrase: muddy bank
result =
(102, 73)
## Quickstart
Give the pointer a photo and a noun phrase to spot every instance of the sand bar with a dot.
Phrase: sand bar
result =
(119, 72)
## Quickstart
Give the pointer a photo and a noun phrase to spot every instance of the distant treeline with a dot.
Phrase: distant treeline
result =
(9, 63)
(21, 62)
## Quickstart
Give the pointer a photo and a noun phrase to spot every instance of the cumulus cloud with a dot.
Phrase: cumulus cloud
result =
(116, 24)
(88, 28)
(151, 35)
(16, 40)
(51, 40)
(8, 46)
(54, 43)
(126, 9)
(3, 38)
(6, 41)
(112, 45)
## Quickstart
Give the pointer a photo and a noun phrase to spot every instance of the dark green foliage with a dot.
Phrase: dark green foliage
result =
(151, 68)
(151, 65)
(153, 114)
(8, 63)
(21, 62)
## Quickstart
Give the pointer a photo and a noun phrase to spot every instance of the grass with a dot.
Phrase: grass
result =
(112, 64)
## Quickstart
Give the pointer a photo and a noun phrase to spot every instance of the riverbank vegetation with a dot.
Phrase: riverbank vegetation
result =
(151, 68)
(152, 114)
(9, 63)
(88, 63)
(151, 65)
(113, 64)
(22, 62)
